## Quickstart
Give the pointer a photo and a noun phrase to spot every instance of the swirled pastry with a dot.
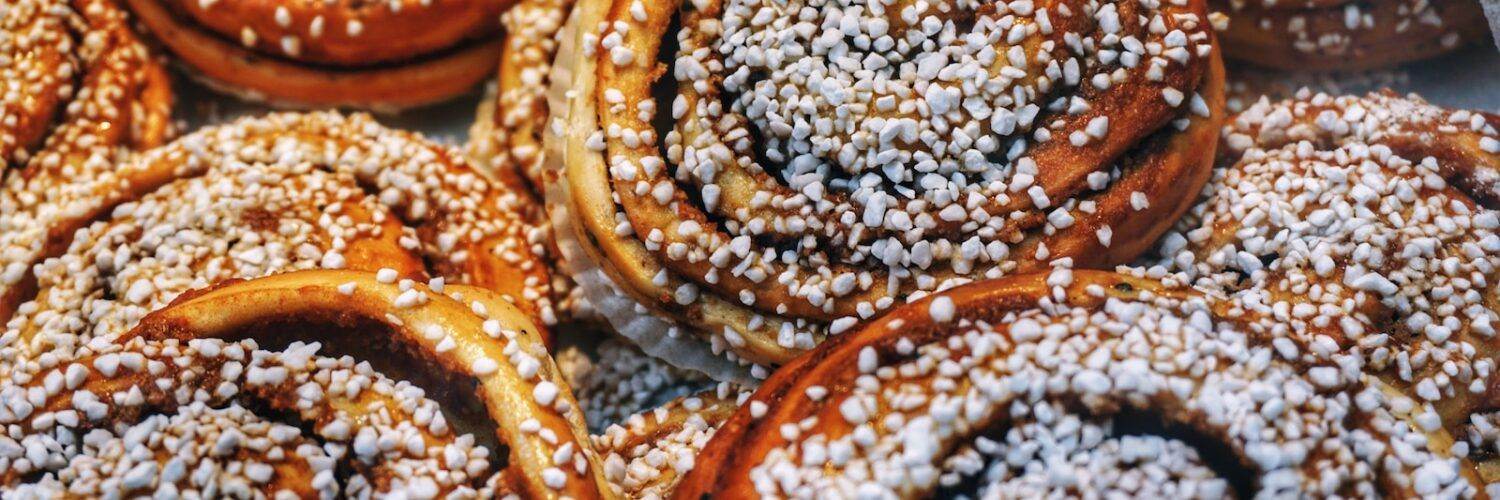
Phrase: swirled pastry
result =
(383, 55)
(83, 94)
(764, 174)
(1367, 227)
(257, 197)
(1347, 34)
(192, 403)
(906, 405)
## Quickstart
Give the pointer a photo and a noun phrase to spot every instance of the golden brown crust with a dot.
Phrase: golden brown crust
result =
(91, 94)
(896, 396)
(83, 80)
(466, 346)
(646, 456)
(42, 68)
(506, 138)
(262, 196)
(507, 134)
(1348, 35)
(1163, 164)
(90, 86)
(348, 71)
(1367, 226)
(449, 337)
(346, 32)
(745, 438)
(693, 230)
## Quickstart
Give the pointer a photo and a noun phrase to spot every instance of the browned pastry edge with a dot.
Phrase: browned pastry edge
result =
(346, 32)
(229, 67)
(269, 309)
(123, 104)
(1319, 38)
(712, 300)
(722, 466)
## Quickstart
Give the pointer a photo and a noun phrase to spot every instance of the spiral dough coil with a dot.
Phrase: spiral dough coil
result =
(817, 164)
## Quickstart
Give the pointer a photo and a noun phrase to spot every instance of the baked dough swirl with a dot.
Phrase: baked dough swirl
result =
(256, 197)
(904, 406)
(382, 55)
(84, 94)
(81, 88)
(818, 162)
(1369, 228)
(1347, 34)
(192, 402)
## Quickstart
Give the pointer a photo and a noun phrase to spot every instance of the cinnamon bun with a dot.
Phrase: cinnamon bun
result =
(926, 399)
(85, 95)
(229, 391)
(763, 174)
(381, 55)
(1368, 227)
(1347, 34)
(253, 198)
